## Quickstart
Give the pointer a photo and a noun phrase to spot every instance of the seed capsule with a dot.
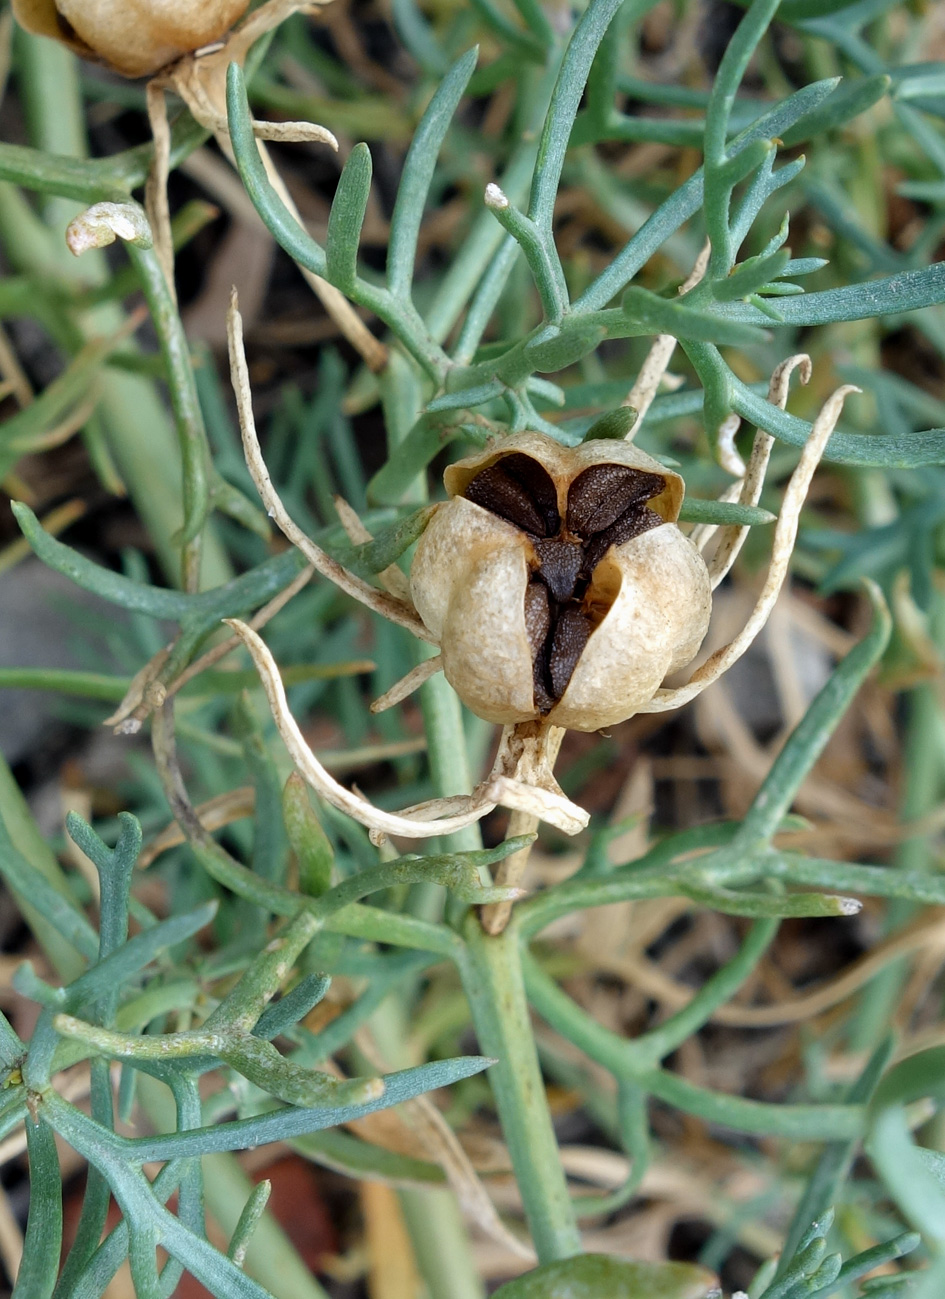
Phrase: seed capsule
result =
(135, 37)
(557, 582)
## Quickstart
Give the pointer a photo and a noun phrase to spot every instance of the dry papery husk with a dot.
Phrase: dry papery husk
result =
(650, 596)
(135, 37)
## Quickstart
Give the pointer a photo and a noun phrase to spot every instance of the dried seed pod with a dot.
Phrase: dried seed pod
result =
(557, 583)
(135, 37)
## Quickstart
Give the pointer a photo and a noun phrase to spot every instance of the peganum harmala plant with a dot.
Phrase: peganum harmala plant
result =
(454, 370)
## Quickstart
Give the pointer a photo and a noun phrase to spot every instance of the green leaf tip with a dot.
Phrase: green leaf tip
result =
(312, 847)
(695, 510)
(615, 425)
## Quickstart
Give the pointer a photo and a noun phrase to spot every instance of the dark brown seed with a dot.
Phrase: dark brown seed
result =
(631, 524)
(544, 700)
(567, 645)
(559, 563)
(538, 484)
(599, 495)
(537, 615)
(497, 491)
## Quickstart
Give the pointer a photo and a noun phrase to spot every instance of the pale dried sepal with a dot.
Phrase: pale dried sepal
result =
(124, 718)
(215, 813)
(391, 578)
(155, 188)
(510, 872)
(386, 605)
(405, 687)
(725, 450)
(749, 490)
(542, 804)
(653, 369)
(315, 774)
(103, 223)
(782, 548)
(522, 776)
(294, 133)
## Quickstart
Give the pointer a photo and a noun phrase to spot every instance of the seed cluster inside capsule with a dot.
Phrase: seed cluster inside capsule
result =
(606, 506)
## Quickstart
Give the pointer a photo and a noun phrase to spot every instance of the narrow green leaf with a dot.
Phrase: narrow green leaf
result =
(794, 1122)
(695, 510)
(288, 1010)
(548, 355)
(673, 316)
(885, 450)
(291, 1122)
(39, 1268)
(253, 1210)
(864, 881)
(807, 740)
(26, 883)
(388, 544)
(418, 173)
(592, 1276)
(616, 424)
(540, 253)
(851, 97)
(347, 217)
(878, 1256)
(893, 294)
(110, 586)
(750, 276)
(312, 847)
(282, 224)
(565, 101)
(734, 63)
(260, 1062)
(759, 905)
(345, 1153)
(136, 953)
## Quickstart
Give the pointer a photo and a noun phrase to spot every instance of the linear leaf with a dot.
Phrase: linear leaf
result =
(850, 98)
(39, 1268)
(347, 217)
(592, 1275)
(418, 173)
(889, 450)
(694, 510)
(893, 294)
(113, 587)
(282, 224)
(666, 316)
(283, 1124)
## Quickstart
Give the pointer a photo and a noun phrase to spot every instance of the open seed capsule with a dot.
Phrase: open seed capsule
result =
(557, 582)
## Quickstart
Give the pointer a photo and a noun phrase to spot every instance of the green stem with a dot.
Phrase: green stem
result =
(191, 434)
(492, 977)
(922, 764)
(439, 1239)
